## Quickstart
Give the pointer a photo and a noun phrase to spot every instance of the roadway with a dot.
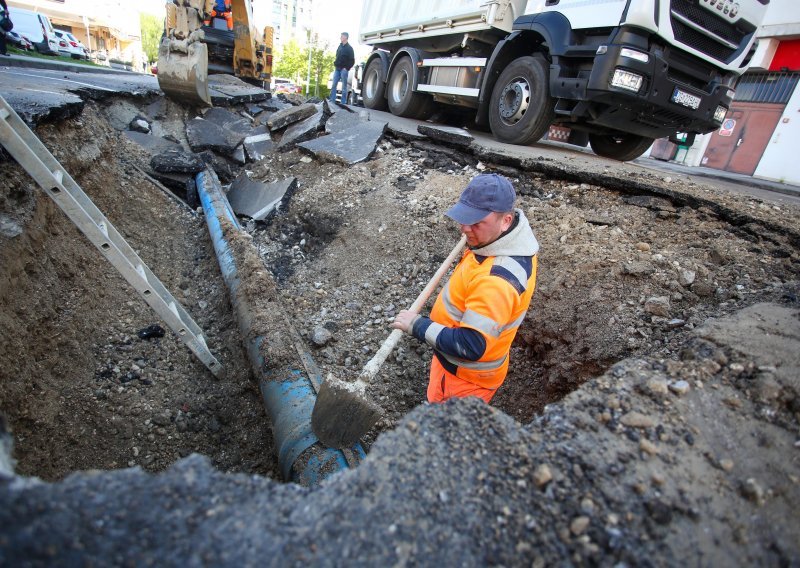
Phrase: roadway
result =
(60, 91)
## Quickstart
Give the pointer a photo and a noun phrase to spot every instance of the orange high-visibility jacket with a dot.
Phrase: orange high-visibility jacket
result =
(489, 292)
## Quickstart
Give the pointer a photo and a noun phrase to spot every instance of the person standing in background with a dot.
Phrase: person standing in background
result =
(345, 59)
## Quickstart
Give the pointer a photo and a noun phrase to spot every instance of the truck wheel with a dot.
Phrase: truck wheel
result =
(521, 108)
(373, 90)
(620, 146)
(403, 101)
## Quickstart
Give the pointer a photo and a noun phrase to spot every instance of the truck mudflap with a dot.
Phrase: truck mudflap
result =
(666, 101)
(183, 71)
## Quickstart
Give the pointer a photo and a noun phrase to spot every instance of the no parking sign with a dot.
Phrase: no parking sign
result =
(727, 127)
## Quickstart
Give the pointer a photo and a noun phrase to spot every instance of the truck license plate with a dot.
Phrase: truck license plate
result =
(685, 99)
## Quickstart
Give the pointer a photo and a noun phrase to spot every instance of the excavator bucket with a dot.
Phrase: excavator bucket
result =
(183, 75)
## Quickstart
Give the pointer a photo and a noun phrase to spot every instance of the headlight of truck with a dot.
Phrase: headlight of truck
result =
(627, 80)
(633, 54)
(719, 114)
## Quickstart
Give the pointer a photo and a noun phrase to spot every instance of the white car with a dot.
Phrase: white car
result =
(68, 47)
(75, 42)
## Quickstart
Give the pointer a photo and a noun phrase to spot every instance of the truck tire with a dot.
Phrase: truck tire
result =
(373, 89)
(521, 108)
(620, 146)
(403, 101)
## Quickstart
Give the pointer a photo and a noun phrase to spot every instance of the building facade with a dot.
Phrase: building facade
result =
(761, 131)
(110, 29)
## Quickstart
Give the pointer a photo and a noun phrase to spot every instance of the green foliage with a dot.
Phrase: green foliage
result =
(292, 62)
(152, 29)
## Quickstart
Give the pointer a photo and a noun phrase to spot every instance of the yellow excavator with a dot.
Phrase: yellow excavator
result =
(211, 36)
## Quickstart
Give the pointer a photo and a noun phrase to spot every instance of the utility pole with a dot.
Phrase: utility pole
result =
(308, 73)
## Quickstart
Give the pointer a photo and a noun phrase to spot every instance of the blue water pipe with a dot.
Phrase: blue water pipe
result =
(289, 400)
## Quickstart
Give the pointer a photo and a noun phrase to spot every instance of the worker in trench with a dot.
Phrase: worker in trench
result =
(479, 310)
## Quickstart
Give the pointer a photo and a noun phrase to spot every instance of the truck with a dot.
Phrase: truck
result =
(618, 72)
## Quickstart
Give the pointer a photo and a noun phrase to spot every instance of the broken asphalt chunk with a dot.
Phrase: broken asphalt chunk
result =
(349, 146)
(306, 129)
(343, 119)
(222, 167)
(290, 115)
(151, 331)
(227, 120)
(654, 203)
(257, 146)
(206, 135)
(176, 161)
(256, 199)
(446, 134)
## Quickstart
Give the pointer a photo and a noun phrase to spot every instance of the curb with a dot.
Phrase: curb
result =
(56, 65)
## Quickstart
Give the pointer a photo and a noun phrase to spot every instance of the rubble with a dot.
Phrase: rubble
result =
(446, 134)
(175, 161)
(287, 116)
(349, 146)
(303, 130)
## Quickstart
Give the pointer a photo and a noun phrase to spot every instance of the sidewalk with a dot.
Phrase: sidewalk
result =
(660, 165)
(55, 63)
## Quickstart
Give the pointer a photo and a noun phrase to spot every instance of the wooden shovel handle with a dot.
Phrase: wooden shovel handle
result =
(373, 366)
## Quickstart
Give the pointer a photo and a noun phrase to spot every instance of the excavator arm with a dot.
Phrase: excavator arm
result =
(193, 46)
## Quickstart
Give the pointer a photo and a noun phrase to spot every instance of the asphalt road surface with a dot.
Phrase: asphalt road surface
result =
(52, 94)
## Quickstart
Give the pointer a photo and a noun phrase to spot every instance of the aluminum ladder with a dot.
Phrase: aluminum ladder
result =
(41, 165)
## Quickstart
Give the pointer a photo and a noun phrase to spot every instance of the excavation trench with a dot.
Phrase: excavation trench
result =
(627, 268)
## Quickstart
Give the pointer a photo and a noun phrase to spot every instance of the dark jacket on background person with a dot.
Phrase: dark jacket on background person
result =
(345, 57)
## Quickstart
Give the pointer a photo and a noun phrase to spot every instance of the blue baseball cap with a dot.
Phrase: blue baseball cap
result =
(485, 194)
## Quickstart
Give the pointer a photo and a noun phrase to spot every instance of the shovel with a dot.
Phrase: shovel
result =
(342, 413)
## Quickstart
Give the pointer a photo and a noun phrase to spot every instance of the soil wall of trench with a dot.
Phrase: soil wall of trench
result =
(675, 312)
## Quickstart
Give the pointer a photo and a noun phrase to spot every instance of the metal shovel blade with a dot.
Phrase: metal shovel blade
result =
(342, 413)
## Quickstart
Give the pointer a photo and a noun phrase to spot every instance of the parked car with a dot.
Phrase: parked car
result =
(37, 29)
(67, 47)
(280, 85)
(75, 42)
(19, 41)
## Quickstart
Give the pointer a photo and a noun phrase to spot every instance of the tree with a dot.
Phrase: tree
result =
(321, 68)
(291, 62)
(152, 29)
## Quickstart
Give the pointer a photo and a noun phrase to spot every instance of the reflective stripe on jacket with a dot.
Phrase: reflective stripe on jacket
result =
(490, 291)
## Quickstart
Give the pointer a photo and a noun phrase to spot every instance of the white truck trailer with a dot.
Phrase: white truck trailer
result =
(623, 72)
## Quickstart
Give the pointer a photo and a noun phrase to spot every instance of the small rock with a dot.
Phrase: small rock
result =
(679, 387)
(686, 277)
(637, 420)
(657, 386)
(542, 475)
(638, 268)
(139, 125)
(579, 524)
(752, 491)
(726, 464)
(767, 388)
(703, 289)
(648, 447)
(151, 331)
(658, 306)
(321, 336)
